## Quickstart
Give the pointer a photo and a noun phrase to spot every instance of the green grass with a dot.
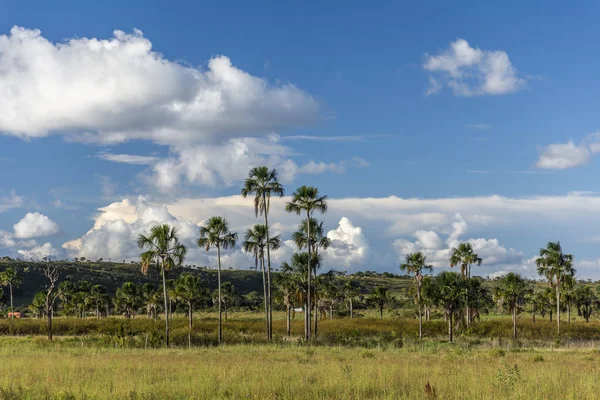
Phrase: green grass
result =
(34, 369)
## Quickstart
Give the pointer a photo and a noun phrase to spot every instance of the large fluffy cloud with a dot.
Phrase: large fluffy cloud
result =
(217, 121)
(119, 89)
(35, 225)
(471, 71)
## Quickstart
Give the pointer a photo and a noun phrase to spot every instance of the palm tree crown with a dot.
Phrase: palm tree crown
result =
(216, 233)
(162, 244)
(464, 256)
(263, 183)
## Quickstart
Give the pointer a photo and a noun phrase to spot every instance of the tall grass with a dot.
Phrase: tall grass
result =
(35, 369)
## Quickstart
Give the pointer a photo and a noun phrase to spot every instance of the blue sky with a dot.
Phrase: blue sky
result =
(437, 103)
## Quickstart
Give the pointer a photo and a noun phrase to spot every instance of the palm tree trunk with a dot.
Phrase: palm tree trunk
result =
(220, 336)
(420, 312)
(450, 327)
(308, 305)
(558, 307)
(270, 306)
(351, 311)
(190, 313)
(316, 300)
(380, 312)
(288, 320)
(533, 313)
(12, 310)
(569, 312)
(166, 303)
(262, 265)
(514, 318)
(331, 311)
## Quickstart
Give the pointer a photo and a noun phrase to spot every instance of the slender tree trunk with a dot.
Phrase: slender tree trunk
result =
(190, 314)
(12, 310)
(50, 324)
(331, 311)
(262, 265)
(450, 327)
(225, 307)
(569, 312)
(270, 303)
(166, 304)
(558, 308)
(351, 311)
(514, 318)
(308, 304)
(550, 314)
(380, 312)
(316, 299)
(220, 337)
(288, 320)
(533, 314)
(420, 312)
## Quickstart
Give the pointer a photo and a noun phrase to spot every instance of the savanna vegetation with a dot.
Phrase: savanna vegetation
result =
(303, 332)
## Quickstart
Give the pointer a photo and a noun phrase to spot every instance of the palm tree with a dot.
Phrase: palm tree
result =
(585, 301)
(189, 289)
(99, 298)
(296, 271)
(151, 298)
(162, 246)
(229, 296)
(317, 240)
(380, 297)
(464, 256)
(446, 290)
(216, 234)
(263, 183)
(128, 299)
(10, 278)
(513, 290)
(351, 289)
(255, 242)
(415, 264)
(307, 198)
(555, 266)
(568, 294)
(287, 289)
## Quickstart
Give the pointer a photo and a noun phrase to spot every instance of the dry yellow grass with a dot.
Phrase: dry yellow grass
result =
(32, 368)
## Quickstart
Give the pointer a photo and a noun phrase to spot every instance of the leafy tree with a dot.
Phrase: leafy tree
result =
(151, 298)
(162, 246)
(10, 278)
(307, 199)
(464, 256)
(555, 266)
(216, 234)
(255, 242)
(264, 183)
(513, 290)
(415, 264)
(380, 297)
(447, 290)
(568, 295)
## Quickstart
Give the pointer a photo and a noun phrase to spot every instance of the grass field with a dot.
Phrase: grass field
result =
(33, 368)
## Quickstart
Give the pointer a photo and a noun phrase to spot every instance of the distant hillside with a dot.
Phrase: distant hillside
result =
(112, 275)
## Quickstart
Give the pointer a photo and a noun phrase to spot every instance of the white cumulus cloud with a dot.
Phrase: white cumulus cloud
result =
(471, 71)
(35, 225)
(39, 252)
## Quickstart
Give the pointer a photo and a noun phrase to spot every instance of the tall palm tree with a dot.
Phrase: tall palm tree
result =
(555, 266)
(162, 246)
(317, 240)
(263, 183)
(513, 290)
(307, 199)
(216, 234)
(255, 242)
(415, 264)
(10, 278)
(464, 256)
